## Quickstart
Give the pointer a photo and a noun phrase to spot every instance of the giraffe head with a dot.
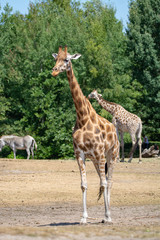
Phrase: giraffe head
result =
(94, 94)
(63, 61)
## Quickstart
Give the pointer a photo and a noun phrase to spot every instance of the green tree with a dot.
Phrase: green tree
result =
(144, 53)
(35, 103)
(107, 65)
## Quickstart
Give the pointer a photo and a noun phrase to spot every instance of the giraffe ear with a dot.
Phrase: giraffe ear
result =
(54, 55)
(75, 56)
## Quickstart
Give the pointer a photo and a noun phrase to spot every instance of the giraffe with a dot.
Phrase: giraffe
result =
(93, 136)
(124, 121)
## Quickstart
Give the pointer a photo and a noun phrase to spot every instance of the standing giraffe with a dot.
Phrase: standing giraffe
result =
(93, 136)
(124, 121)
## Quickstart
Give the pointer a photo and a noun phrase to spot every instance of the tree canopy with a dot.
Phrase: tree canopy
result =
(122, 66)
(143, 39)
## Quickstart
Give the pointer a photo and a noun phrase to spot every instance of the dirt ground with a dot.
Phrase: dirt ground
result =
(42, 200)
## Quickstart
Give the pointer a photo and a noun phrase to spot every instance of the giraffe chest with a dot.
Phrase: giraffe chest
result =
(94, 139)
(88, 141)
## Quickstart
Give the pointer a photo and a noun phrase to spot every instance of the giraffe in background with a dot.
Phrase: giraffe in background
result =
(124, 121)
(93, 136)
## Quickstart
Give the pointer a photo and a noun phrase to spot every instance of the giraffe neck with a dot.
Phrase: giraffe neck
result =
(108, 106)
(80, 101)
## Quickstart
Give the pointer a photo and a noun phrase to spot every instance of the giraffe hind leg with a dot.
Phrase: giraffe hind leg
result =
(111, 158)
(105, 186)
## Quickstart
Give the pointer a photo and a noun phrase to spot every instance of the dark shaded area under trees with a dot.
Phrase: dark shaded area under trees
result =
(123, 66)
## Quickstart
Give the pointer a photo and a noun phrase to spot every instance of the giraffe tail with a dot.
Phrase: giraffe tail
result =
(101, 190)
(106, 168)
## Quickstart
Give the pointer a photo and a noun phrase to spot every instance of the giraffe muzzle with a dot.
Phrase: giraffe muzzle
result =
(55, 72)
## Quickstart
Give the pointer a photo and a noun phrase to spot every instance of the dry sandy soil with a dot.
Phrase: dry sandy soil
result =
(42, 200)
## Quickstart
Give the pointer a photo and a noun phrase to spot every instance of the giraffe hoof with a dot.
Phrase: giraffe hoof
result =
(83, 221)
(108, 221)
(122, 160)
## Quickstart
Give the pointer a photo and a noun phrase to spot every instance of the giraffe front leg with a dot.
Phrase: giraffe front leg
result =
(85, 214)
(81, 164)
(122, 146)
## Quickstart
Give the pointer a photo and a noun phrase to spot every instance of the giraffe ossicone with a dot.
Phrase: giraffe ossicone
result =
(93, 136)
(124, 121)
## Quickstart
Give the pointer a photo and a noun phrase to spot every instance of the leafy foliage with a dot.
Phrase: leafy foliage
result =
(35, 103)
(144, 53)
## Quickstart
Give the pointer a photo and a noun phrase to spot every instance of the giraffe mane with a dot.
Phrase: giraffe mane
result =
(112, 103)
(89, 105)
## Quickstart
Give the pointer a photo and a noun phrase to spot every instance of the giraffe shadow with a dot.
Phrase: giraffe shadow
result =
(60, 224)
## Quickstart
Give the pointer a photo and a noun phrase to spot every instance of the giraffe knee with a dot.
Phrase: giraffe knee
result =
(83, 187)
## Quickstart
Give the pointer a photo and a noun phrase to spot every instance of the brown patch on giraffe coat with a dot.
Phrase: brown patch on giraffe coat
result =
(77, 136)
(76, 93)
(95, 145)
(97, 157)
(75, 145)
(81, 112)
(78, 115)
(79, 103)
(84, 121)
(97, 139)
(102, 157)
(73, 85)
(96, 130)
(89, 145)
(84, 112)
(100, 147)
(103, 135)
(76, 106)
(93, 117)
(101, 125)
(80, 125)
(113, 128)
(88, 110)
(82, 147)
(110, 137)
(87, 137)
(108, 128)
(106, 147)
(78, 122)
(89, 126)
(95, 153)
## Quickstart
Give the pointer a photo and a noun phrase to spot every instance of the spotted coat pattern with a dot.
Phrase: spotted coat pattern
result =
(93, 136)
(124, 121)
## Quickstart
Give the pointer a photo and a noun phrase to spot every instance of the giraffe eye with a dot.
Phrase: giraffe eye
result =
(66, 60)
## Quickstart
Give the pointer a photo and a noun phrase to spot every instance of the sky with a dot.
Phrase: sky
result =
(121, 7)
